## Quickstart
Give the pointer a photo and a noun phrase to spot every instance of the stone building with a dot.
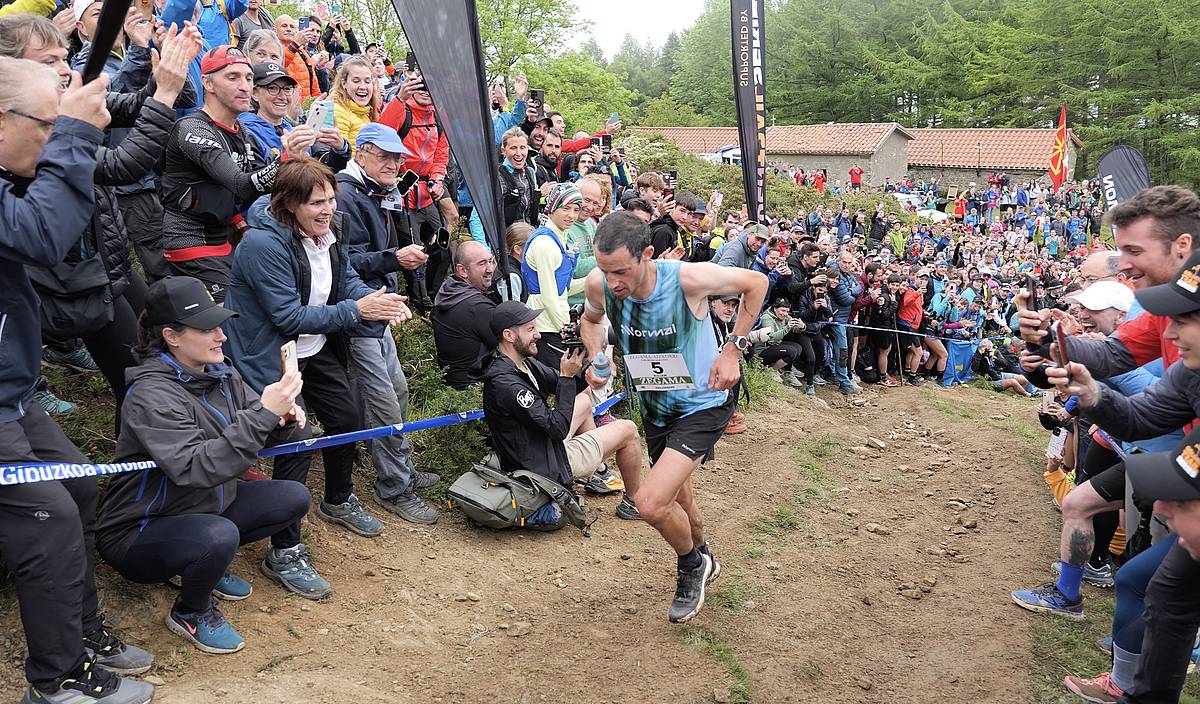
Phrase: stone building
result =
(962, 156)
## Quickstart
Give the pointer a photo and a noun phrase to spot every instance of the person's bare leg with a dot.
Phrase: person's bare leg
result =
(657, 499)
(1078, 538)
(621, 437)
(687, 500)
(581, 419)
(881, 359)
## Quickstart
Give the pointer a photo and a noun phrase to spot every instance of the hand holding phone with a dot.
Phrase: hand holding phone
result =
(289, 362)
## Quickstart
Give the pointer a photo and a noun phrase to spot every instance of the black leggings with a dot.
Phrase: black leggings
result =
(1096, 459)
(199, 547)
(112, 345)
(787, 351)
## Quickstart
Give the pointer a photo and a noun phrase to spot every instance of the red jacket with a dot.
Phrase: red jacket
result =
(430, 152)
(1143, 337)
(571, 146)
(910, 308)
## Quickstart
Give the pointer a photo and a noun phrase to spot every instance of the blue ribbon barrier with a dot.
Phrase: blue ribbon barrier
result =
(31, 472)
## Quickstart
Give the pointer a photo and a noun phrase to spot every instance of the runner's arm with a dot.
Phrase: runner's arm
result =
(591, 326)
(701, 280)
(200, 145)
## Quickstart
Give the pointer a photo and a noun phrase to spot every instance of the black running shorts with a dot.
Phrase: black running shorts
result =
(694, 435)
(1110, 484)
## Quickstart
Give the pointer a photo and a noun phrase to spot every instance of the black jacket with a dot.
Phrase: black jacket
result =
(373, 239)
(664, 235)
(462, 330)
(202, 428)
(518, 207)
(526, 432)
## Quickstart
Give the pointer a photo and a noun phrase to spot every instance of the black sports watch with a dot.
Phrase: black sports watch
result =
(739, 341)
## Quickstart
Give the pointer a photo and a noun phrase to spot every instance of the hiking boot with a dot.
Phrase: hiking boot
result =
(604, 482)
(92, 685)
(352, 515)
(229, 588)
(207, 630)
(628, 510)
(410, 507)
(1047, 599)
(1099, 690)
(78, 359)
(424, 480)
(810, 390)
(689, 591)
(112, 654)
(292, 568)
(1101, 577)
(51, 404)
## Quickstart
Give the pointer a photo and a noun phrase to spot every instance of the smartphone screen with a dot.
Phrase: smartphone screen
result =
(407, 181)
(1031, 286)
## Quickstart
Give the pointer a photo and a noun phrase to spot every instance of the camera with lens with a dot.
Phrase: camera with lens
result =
(571, 339)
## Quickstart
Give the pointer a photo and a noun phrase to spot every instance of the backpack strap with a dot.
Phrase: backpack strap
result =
(406, 126)
(568, 501)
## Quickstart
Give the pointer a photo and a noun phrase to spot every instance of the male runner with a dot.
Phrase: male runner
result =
(659, 310)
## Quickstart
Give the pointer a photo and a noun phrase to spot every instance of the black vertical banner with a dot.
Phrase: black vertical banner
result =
(1122, 172)
(444, 36)
(749, 92)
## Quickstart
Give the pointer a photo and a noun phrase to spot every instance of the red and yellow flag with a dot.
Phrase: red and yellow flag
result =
(1058, 155)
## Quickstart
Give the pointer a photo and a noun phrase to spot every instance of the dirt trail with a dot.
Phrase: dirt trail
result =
(851, 576)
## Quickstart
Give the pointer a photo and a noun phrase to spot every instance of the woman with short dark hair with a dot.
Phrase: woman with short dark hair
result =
(292, 282)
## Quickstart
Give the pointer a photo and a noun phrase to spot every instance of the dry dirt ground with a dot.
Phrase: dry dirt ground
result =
(852, 574)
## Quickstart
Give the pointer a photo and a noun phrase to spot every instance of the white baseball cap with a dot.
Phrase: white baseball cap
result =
(1103, 295)
(80, 6)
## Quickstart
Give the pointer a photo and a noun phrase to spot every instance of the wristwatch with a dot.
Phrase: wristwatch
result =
(739, 341)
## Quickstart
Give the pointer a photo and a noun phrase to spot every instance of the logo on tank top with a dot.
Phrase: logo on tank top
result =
(635, 332)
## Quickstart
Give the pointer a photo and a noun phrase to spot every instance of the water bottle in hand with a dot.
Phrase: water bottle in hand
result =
(601, 366)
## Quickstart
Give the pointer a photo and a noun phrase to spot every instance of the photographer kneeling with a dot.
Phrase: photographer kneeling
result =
(528, 434)
(189, 411)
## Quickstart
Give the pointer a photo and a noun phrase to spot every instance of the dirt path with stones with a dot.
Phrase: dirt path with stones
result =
(867, 550)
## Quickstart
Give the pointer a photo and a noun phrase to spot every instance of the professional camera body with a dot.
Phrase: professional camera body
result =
(570, 332)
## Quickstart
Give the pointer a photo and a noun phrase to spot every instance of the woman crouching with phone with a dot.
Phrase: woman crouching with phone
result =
(188, 410)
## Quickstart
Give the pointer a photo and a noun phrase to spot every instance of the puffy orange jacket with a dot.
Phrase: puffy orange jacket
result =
(298, 66)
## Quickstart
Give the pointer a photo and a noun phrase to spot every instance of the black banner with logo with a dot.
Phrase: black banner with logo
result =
(749, 92)
(1122, 172)
(444, 37)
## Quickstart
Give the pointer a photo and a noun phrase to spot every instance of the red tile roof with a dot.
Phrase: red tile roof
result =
(998, 148)
(840, 138)
(695, 140)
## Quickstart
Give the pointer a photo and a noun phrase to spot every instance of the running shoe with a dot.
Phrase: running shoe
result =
(1098, 690)
(628, 510)
(820, 380)
(116, 656)
(207, 630)
(850, 390)
(228, 588)
(795, 380)
(734, 428)
(410, 507)
(810, 390)
(51, 404)
(92, 685)
(604, 482)
(689, 591)
(1101, 577)
(716, 568)
(1048, 600)
(292, 568)
(775, 375)
(889, 381)
(352, 515)
(78, 359)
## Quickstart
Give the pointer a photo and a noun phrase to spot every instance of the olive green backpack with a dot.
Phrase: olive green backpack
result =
(495, 499)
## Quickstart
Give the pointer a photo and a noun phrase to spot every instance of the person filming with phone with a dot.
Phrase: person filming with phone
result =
(190, 412)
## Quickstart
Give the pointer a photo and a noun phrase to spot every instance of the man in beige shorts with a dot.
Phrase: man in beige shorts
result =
(560, 442)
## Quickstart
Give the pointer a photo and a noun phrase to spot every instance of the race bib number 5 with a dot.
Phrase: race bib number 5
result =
(659, 372)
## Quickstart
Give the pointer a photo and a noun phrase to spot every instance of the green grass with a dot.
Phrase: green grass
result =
(709, 642)
(955, 411)
(775, 523)
(759, 383)
(732, 595)
(1062, 648)
(811, 460)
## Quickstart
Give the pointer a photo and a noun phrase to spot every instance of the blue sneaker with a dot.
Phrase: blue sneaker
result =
(1047, 599)
(51, 404)
(77, 359)
(292, 568)
(230, 588)
(207, 630)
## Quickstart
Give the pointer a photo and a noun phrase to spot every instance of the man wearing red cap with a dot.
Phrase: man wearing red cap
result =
(212, 170)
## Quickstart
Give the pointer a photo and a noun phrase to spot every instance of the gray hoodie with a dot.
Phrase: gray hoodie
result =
(202, 428)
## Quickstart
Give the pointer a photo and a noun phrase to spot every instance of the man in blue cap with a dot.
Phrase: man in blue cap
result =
(369, 200)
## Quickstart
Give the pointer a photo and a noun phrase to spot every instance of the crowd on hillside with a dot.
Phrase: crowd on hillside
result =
(290, 196)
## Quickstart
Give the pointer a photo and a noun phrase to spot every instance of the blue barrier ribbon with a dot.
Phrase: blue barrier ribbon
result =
(32, 472)
(908, 332)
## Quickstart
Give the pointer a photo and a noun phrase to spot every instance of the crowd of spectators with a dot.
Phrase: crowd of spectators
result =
(282, 185)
